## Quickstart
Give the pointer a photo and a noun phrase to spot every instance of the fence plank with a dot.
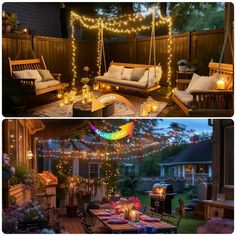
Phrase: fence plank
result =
(57, 52)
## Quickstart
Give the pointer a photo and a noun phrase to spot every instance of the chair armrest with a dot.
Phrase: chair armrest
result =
(209, 92)
(212, 99)
(182, 84)
(57, 76)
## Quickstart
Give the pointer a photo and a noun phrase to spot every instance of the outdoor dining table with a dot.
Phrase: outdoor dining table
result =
(131, 227)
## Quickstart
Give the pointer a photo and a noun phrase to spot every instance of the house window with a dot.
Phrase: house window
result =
(94, 170)
(201, 168)
(188, 168)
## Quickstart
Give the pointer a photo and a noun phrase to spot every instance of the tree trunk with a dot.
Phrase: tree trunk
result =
(163, 30)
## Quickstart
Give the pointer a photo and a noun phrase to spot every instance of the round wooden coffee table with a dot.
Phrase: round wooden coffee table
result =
(84, 110)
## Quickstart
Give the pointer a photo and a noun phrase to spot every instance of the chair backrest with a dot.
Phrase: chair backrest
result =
(225, 69)
(171, 219)
(28, 64)
(86, 226)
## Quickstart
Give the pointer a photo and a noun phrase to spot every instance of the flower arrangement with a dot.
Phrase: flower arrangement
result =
(8, 169)
(182, 62)
(84, 80)
(128, 204)
(27, 212)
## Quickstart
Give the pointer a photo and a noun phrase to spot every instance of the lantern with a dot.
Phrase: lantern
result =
(66, 98)
(95, 86)
(155, 106)
(143, 110)
(60, 94)
(85, 91)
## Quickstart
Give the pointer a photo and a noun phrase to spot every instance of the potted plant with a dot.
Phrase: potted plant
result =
(182, 65)
(71, 209)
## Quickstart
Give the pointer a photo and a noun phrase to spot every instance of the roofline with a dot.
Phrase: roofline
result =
(178, 163)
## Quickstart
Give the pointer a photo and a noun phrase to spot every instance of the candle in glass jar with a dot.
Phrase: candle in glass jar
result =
(155, 106)
(133, 215)
(220, 84)
(143, 110)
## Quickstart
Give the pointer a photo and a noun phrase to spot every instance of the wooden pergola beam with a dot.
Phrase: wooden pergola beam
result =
(60, 128)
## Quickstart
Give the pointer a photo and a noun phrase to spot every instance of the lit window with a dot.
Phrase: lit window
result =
(93, 170)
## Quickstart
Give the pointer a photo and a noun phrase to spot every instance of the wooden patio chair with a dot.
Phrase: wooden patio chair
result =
(28, 84)
(209, 102)
(92, 229)
(172, 220)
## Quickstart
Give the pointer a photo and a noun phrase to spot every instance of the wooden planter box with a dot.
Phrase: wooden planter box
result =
(20, 193)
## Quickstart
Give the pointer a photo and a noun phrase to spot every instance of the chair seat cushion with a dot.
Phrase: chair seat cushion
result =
(185, 97)
(46, 84)
(134, 84)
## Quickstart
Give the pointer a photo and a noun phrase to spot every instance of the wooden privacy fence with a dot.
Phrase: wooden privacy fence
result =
(201, 46)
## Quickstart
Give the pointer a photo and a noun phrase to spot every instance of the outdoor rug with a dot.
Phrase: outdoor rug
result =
(121, 110)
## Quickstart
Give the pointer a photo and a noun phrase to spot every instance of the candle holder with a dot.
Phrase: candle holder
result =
(95, 86)
(220, 84)
(155, 106)
(66, 98)
(134, 216)
(60, 94)
(143, 110)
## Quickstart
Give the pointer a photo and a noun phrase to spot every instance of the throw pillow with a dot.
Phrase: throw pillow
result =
(126, 75)
(203, 83)
(34, 74)
(137, 74)
(194, 79)
(46, 75)
(21, 74)
(115, 71)
(144, 78)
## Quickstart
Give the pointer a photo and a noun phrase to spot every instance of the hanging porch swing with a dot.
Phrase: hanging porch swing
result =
(154, 71)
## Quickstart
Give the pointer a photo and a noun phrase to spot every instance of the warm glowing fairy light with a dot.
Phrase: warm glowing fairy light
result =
(119, 25)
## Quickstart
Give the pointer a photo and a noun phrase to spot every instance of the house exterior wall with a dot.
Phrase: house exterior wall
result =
(220, 167)
(41, 18)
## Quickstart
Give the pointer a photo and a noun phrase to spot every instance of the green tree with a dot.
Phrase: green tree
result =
(192, 16)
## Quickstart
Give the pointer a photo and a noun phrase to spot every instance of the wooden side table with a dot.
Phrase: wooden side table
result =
(184, 75)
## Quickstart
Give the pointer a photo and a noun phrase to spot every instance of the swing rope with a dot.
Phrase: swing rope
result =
(152, 41)
(227, 35)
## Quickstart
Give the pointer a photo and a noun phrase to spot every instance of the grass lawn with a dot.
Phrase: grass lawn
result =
(187, 225)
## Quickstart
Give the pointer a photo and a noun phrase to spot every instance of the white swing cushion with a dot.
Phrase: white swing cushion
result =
(115, 71)
(21, 74)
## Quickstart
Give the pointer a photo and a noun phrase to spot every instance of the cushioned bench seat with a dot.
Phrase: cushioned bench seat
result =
(46, 84)
(185, 97)
(134, 84)
(136, 77)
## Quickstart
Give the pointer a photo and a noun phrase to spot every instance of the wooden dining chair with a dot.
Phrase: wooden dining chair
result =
(151, 212)
(172, 220)
(92, 229)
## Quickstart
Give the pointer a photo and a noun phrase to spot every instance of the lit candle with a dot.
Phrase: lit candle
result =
(61, 104)
(155, 106)
(83, 102)
(133, 215)
(59, 95)
(143, 110)
(108, 87)
(220, 84)
(117, 87)
(95, 86)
